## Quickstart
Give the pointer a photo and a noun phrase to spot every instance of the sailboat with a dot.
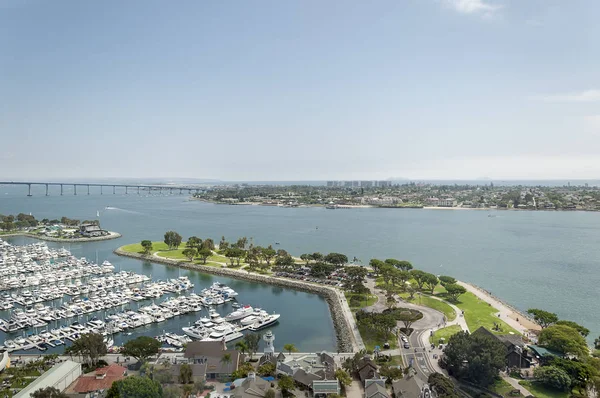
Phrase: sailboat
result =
(97, 213)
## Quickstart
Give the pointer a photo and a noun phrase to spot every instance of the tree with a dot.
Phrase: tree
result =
(286, 384)
(446, 280)
(355, 277)
(8, 223)
(209, 244)
(290, 348)
(418, 276)
(147, 246)
(431, 281)
(399, 264)
(443, 386)
(316, 257)
(306, 258)
(223, 244)
(580, 372)
(597, 343)
(234, 255)
(204, 253)
(171, 392)
(553, 377)
(266, 369)
(194, 242)
(190, 253)
(270, 393)
(284, 261)
(563, 339)
(407, 316)
(90, 347)
(376, 265)
(141, 348)
(454, 291)
(48, 392)
(474, 357)
(268, 254)
(544, 318)
(336, 259)
(241, 346)
(321, 270)
(185, 374)
(343, 377)
(226, 360)
(135, 387)
(241, 243)
(581, 329)
(242, 370)
(252, 340)
(172, 239)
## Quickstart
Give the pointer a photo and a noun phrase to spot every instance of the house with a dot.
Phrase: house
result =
(60, 376)
(367, 369)
(210, 354)
(375, 388)
(406, 387)
(542, 354)
(324, 387)
(99, 380)
(252, 387)
(198, 372)
(516, 353)
(91, 230)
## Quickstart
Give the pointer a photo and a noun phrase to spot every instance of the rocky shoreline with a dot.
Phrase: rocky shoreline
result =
(112, 235)
(346, 341)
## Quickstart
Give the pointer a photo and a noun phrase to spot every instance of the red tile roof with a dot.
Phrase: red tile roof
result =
(89, 382)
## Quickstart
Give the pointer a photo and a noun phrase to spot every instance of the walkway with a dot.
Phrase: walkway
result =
(509, 315)
(515, 384)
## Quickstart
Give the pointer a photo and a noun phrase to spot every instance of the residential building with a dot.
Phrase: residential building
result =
(367, 369)
(60, 376)
(99, 380)
(210, 354)
(516, 353)
(323, 388)
(251, 387)
(406, 387)
(91, 230)
(375, 388)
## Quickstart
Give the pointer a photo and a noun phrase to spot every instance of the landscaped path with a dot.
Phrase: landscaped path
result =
(509, 315)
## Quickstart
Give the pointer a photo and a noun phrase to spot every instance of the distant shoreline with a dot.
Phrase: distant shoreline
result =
(111, 235)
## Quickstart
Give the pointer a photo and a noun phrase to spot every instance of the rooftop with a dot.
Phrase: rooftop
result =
(50, 378)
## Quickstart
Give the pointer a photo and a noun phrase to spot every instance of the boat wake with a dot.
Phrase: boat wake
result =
(122, 210)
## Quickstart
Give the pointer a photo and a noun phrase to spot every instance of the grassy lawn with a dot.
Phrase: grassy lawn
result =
(541, 391)
(137, 247)
(444, 333)
(162, 250)
(502, 387)
(371, 340)
(479, 313)
(365, 301)
(442, 307)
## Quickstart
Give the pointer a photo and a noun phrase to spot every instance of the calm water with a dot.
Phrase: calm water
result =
(530, 259)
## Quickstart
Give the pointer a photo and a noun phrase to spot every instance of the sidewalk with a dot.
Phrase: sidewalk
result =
(507, 314)
(515, 384)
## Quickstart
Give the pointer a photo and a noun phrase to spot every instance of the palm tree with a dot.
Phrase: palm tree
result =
(226, 360)
(241, 346)
(187, 390)
(290, 348)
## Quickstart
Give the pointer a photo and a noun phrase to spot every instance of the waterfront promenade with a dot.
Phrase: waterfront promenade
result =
(111, 235)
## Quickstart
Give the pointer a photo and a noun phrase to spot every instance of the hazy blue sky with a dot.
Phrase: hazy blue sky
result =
(284, 90)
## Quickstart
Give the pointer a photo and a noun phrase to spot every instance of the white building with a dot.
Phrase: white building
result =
(60, 376)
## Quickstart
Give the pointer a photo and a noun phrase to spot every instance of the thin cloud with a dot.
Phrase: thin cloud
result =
(481, 7)
(582, 96)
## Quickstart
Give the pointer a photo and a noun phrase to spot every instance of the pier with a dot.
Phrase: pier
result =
(122, 187)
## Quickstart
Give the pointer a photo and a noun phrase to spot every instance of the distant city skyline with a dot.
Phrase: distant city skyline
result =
(291, 91)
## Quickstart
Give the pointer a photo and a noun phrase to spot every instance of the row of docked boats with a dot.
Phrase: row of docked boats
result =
(229, 328)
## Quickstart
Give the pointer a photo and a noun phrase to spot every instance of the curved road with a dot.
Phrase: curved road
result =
(418, 354)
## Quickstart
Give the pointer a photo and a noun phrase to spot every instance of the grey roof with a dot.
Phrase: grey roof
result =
(281, 357)
(325, 386)
(252, 388)
(302, 377)
(198, 369)
(407, 388)
(50, 378)
(204, 348)
(375, 389)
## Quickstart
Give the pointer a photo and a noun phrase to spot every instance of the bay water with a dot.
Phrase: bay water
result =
(529, 259)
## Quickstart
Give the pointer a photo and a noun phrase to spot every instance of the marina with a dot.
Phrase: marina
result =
(61, 298)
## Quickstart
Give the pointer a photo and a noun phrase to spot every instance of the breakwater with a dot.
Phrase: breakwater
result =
(346, 340)
(111, 235)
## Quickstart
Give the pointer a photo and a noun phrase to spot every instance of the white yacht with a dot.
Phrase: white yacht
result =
(264, 321)
(240, 313)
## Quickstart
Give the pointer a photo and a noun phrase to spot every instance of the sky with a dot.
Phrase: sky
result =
(300, 90)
